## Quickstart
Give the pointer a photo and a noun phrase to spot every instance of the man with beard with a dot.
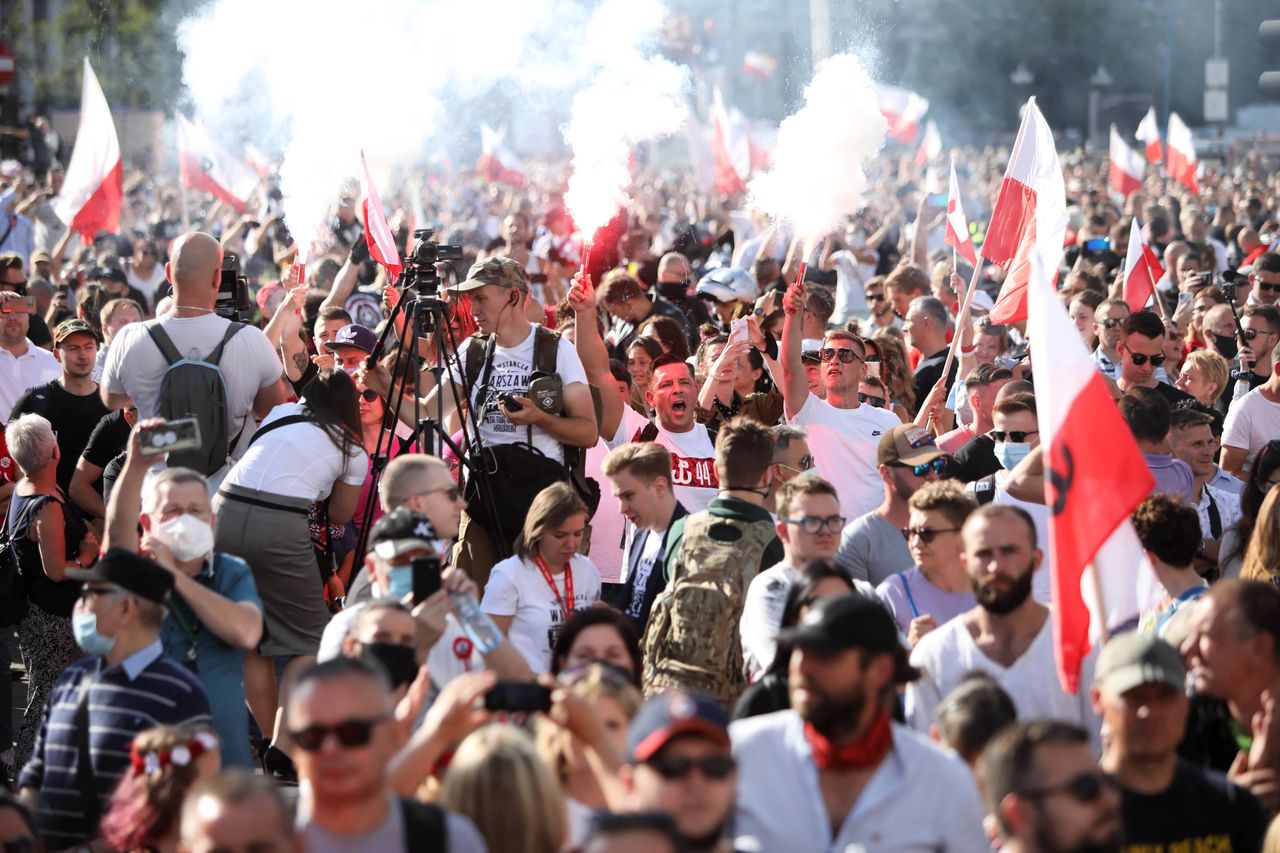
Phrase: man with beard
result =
(1008, 635)
(1047, 794)
(834, 772)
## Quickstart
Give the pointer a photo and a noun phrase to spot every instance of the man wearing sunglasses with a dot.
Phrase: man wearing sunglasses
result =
(878, 305)
(1265, 279)
(340, 717)
(1141, 351)
(1167, 803)
(1252, 421)
(680, 763)
(1108, 327)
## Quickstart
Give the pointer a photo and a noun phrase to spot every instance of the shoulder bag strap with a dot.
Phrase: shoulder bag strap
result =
(216, 356)
(1215, 518)
(906, 587)
(85, 781)
(163, 342)
(287, 420)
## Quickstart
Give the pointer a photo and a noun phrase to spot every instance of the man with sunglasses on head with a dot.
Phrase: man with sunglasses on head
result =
(843, 432)
(1252, 421)
(1141, 351)
(340, 717)
(1167, 803)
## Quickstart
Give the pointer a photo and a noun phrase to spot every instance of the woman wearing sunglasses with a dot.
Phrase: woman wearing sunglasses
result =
(892, 369)
(375, 439)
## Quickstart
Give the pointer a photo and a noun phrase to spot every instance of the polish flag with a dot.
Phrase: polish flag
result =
(904, 109)
(759, 65)
(382, 243)
(1141, 270)
(1094, 477)
(930, 144)
(497, 162)
(1127, 166)
(1029, 210)
(93, 188)
(256, 160)
(957, 236)
(203, 164)
(1182, 154)
(730, 148)
(1148, 134)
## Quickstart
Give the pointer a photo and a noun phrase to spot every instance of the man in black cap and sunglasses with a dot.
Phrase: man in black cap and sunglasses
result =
(1141, 352)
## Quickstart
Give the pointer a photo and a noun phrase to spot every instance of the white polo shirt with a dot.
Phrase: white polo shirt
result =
(19, 372)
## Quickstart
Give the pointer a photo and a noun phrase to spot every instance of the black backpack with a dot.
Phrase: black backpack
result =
(425, 830)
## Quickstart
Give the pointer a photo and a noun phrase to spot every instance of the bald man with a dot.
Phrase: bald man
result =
(673, 285)
(250, 367)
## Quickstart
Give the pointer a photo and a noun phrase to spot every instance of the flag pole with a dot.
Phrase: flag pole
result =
(962, 317)
(1092, 568)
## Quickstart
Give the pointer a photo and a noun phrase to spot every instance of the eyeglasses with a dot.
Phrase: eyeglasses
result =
(1017, 436)
(875, 402)
(937, 466)
(875, 297)
(1250, 334)
(1142, 358)
(1111, 322)
(873, 358)
(1086, 788)
(846, 356)
(350, 733)
(1269, 288)
(816, 523)
(368, 395)
(450, 492)
(714, 767)
(928, 534)
(806, 462)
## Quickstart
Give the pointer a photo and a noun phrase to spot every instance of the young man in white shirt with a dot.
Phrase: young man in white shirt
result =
(834, 772)
(1252, 421)
(843, 433)
(1009, 634)
(672, 395)
(23, 365)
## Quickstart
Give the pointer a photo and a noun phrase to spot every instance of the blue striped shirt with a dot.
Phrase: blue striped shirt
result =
(144, 690)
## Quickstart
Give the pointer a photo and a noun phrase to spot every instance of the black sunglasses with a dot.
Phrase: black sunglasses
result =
(1017, 436)
(846, 356)
(350, 733)
(1142, 358)
(875, 297)
(715, 767)
(369, 395)
(1269, 288)
(874, 402)
(1250, 334)
(937, 466)
(927, 534)
(1111, 322)
(1086, 788)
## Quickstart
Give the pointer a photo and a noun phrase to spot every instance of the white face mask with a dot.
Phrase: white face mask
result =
(186, 536)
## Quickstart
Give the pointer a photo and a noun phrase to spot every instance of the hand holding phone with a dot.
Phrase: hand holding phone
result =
(426, 577)
(519, 697)
(169, 437)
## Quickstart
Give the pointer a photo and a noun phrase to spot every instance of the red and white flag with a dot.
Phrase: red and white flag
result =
(759, 65)
(1030, 209)
(957, 236)
(1182, 154)
(904, 109)
(497, 162)
(93, 188)
(256, 160)
(1141, 270)
(930, 144)
(1094, 477)
(382, 243)
(203, 164)
(1148, 134)
(1127, 166)
(730, 149)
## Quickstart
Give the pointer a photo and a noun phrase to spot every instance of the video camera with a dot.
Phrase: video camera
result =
(233, 291)
(420, 267)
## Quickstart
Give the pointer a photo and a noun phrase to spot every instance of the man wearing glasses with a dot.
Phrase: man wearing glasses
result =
(1253, 419)
(1108, 326)
(1141, 351)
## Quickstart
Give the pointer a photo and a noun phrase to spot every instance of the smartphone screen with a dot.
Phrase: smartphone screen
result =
(426, 577)
(518, 696)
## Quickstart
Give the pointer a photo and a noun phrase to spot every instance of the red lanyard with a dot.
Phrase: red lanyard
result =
(566, 608)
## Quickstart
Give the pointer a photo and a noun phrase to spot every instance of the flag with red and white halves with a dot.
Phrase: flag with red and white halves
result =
(1126, 168)
(205, 165)
(957, 236)
(730, 148)
(1141, 270)
(930, 144)
(1182, 154)
(93, 187)
(497, 162)
(377, 232)
(1031, 201)
(904, 109)
(1148, 133)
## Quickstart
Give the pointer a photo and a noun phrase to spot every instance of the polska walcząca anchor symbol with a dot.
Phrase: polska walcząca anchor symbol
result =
(1062, 482)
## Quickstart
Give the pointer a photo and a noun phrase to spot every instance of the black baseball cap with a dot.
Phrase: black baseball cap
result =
(399, 531)
(670, 715)
(850, 621)
(129, 571)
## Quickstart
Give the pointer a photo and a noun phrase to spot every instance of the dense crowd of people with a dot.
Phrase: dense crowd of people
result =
(680, 551)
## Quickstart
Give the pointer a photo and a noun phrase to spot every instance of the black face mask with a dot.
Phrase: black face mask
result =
(1225, 345)
(399, 661)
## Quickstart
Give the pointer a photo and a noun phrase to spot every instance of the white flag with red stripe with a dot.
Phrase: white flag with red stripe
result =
(1141, 270)
(957, 236)
(203, 164)
(256, 160)
(497, 162)
(1148, 134)
(1029, 208)
(904, 109)
(1127, 166)
(930, 144)
(93, 188)
(382, 243)
(1182, 154)
(730, 148)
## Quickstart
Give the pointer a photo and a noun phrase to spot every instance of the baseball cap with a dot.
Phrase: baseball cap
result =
(810, 356)
(40, 256)
(354, 335)
(907, 444)
(110, 273)
(981, 301)
(503, 272)
(399, 531)
(850, 621)
(727, 284)
(129, 571)
(67, 328)
(670, 715)
(1132, 659)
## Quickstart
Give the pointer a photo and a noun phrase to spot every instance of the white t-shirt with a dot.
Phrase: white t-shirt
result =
(693, 466)
(948, 652)
(249, 364)
(844, 443)
(1040, 583)
(511, 369)
(762, 615)
(851, 278)
(297, 461)
(1252, 421)
(146, 284)
(37, 366)
(516, 588)
(608, 527)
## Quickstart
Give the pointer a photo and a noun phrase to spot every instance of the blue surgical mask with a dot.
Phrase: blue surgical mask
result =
(85, 628)
(1010, 453)
(400, 582)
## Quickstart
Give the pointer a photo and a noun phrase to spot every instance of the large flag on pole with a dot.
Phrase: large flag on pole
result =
(1182, 154)
(203, 164)
(1148, 134)
(1127, 166)
(904, 109)
(1032, 198)
(730, 149)
(497, 162)
(94, 185)
(957, 236)
(382, 243)
(1141, 270)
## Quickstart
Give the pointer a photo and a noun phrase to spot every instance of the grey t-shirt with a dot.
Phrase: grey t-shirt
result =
(388, 836)
(872, 549)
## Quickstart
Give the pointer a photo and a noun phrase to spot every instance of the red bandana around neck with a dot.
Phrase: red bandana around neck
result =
(867, 751)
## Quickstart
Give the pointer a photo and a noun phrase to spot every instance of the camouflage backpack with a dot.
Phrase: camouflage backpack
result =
(692, 640)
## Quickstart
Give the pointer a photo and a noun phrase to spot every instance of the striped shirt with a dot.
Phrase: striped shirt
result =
(144, 690)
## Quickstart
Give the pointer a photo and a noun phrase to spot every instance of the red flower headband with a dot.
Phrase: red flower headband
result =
(180, 756)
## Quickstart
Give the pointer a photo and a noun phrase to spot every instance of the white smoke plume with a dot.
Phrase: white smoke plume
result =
(819, 173)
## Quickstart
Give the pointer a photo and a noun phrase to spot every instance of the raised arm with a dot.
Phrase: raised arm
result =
(591, 350)
(795, 383)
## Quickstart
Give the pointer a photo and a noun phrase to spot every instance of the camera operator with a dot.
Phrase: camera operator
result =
(496, 385)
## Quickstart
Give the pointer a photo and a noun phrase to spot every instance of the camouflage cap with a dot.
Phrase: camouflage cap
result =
(503, 272)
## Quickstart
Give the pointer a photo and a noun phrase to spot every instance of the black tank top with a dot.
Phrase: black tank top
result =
(55, 597)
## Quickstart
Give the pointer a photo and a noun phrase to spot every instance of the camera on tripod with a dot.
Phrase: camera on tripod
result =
(420, 267)
(233, 291)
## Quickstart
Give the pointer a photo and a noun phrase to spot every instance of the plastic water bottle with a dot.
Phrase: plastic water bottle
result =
(478, 626)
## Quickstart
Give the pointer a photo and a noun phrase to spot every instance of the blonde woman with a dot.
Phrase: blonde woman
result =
(1262, 557)
(894, 371)
(1204, 376)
